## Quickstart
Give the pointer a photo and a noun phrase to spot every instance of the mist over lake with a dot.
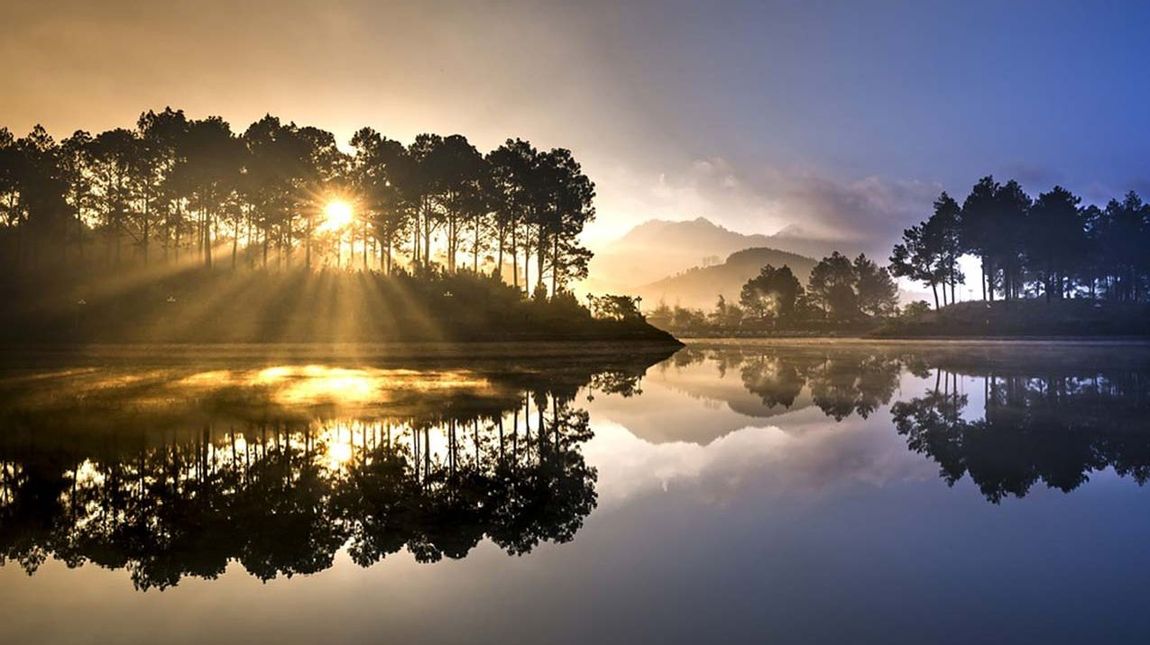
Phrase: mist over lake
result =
(844, 489)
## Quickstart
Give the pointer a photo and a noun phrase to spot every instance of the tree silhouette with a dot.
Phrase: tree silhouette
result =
(771, 294)
(191, 184)
(1057, 242)
(877, 292)
(832, 287)
(1053, 245)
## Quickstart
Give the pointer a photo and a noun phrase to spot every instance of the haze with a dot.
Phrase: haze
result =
(840, 118)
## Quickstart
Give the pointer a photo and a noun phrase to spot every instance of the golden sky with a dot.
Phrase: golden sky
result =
(844, 119)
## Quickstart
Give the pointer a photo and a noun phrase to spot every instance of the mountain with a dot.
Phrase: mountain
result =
(659, 248)
(700, 287)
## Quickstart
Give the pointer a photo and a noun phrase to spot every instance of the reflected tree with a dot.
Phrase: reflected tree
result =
(1056, 429)
(164, 494)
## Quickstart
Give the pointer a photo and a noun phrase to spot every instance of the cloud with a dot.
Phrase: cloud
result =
(866, 213)
(809, 457)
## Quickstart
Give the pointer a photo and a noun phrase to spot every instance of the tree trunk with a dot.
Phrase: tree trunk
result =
(555, 266)
(499, 255)
(475, 249)
(983, 280)
(527, 260)
(514, 259)
(307, 244)
(541, 250)
(147, 227)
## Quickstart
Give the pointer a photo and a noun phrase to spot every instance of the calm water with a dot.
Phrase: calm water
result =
(730, 492)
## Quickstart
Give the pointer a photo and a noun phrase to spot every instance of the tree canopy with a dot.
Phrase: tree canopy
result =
(175, 185)
(1053, 246)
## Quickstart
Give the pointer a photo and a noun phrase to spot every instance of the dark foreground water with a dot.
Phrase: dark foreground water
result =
(731, 492)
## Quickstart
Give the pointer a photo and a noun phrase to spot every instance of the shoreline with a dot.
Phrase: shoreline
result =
(364, 352)
(1124, 339)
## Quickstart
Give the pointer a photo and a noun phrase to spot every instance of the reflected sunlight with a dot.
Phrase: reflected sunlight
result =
(311, 384)
(338, 455)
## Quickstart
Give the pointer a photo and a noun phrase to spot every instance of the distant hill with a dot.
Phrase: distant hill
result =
(700, 286)
(659, 248)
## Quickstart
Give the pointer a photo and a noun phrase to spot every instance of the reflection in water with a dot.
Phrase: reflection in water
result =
(1047, 426)
(1040, 413)
(171, 472)
(840, 383)
(177, 473)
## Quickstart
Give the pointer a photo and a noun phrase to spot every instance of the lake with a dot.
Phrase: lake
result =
(813, 492)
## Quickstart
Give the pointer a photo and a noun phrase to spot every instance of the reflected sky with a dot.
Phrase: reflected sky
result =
(747, 493)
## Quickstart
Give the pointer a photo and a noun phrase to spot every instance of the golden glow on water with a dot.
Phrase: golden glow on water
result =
(338, 455)
(293, 385)
(311, 384)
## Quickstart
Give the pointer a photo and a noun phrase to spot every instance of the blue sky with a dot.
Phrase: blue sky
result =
(843, 119)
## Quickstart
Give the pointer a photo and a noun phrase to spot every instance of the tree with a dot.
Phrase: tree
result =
(614, 307)
(454, 170)
(321, 176)
(158, 136)
(75, 160)
(877, 292)
(929, 251)
(210, 168)
(978, 229)
(1123, 236)
(568, 207)
(832, 287)
(42, 206)
(276, 158)
(424, 189)
(912, 258)
(1008, 244)
(381, 169)
(513, 175)
(772, 294)
(726, 315)
(942, 235)
(1056, 242)
(916, 310)
(113, 155)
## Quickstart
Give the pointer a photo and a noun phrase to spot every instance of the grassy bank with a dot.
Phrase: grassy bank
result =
(1025, 318)
(198, 306)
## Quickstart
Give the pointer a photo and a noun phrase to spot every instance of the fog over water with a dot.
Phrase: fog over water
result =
(793, 492)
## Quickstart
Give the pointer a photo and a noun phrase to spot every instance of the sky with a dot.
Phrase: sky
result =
(843, 120)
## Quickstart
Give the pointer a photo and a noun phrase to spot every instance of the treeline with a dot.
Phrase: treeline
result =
(174, 186)
(840, 292)
(1052, 246)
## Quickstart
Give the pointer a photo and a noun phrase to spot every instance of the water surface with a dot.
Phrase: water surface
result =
(732, 491)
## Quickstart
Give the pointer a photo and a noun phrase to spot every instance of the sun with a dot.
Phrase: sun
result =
(337, 214)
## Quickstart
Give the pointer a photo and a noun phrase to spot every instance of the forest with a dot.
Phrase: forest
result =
(840, 295)
(1049, 266)
(281, 194)
(181, 229)
(1052, 247)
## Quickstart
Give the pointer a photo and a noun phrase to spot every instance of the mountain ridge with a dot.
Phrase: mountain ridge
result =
(700, 287)
(659, 248)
